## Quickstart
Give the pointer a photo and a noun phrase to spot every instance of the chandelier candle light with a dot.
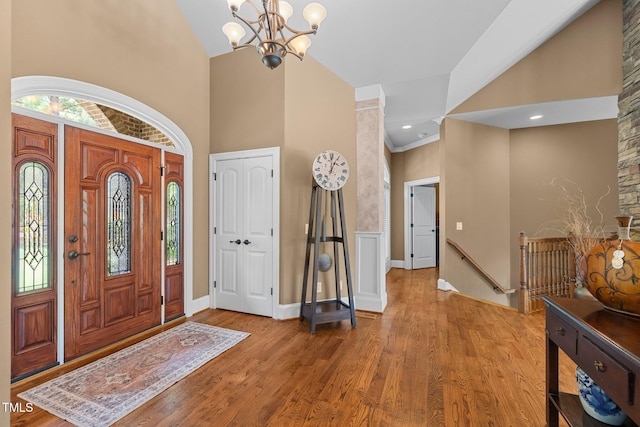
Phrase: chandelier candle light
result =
(273, 37)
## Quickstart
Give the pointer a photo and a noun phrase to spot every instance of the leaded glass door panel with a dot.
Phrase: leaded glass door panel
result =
(33, 297)
(112, 239)
(174, 236)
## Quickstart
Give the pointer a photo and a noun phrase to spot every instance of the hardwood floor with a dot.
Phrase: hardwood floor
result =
(433, 358)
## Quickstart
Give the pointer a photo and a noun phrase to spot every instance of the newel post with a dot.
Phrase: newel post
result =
(524, 305)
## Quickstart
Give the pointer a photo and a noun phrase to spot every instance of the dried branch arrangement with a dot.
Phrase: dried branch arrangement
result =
(581, 231)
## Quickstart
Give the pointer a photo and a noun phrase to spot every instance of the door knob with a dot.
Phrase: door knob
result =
(246, 242)
(76, 254)
(237, 242)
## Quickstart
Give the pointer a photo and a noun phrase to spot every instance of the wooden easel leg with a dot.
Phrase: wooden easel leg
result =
(305, 278)
(316, 261)
(345, 248)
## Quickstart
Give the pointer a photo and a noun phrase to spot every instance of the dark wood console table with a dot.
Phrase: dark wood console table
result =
(605, 344)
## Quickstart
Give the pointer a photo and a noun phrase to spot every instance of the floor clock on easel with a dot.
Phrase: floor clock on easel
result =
(330, 173)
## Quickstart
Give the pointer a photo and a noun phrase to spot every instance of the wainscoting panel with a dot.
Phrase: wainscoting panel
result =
(370, 281)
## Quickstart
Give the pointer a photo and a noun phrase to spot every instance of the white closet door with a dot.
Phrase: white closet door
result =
(244, 241)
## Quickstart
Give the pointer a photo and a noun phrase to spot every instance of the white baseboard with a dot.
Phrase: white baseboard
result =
(373, 305)
(288, 311)
(292, 311)
(443, 285)
(397, 263)
(197, 305)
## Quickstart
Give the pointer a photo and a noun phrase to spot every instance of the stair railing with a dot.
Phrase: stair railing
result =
(493, 282)
(547, 267)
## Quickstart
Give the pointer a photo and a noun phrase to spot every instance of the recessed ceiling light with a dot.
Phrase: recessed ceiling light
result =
(405, 127)
(536, 117)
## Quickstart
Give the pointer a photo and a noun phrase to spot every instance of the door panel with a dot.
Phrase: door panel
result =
(228, 198)
(244, 254)
(34, 287)
(174, 236)
(112, 240)
(258, 196)
(424, 227)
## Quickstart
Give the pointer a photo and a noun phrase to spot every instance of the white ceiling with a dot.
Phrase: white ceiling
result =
(427, 55)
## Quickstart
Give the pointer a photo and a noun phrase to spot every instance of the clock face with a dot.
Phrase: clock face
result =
(330, 170)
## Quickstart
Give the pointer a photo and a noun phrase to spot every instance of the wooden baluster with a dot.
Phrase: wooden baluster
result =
(523, 296)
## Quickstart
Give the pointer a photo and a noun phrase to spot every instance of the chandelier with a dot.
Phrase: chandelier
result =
(272, 36)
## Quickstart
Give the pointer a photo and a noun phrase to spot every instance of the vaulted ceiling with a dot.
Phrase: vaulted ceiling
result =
(428, 55)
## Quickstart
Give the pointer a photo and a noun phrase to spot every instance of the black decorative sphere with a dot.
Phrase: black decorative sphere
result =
(272, 61)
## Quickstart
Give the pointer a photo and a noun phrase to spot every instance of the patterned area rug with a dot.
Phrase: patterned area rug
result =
(102, 392)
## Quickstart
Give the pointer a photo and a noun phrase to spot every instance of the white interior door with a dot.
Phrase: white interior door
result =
(424, 227)
(244, 235)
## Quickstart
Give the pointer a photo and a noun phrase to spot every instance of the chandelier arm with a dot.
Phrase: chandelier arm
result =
(248, 24)
(248, 43)
(247, 21)
(296, 35)
(287, 41)
(299, 32)
(291, 52)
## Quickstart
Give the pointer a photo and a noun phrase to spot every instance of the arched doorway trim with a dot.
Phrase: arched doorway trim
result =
(49, 85)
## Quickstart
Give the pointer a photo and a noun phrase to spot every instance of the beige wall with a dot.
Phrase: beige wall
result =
(476, 191)
(579, 156)
(584, 60)
(418, 163)
(247, 103)
(320, 114)
(301, 107)
(5, 205)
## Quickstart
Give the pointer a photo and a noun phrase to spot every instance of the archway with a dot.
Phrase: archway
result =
(38, 85)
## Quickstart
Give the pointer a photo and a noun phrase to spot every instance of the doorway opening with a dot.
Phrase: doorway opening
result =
(421, 224)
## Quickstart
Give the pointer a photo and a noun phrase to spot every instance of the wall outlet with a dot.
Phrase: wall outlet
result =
(319, 287)
(458, 226)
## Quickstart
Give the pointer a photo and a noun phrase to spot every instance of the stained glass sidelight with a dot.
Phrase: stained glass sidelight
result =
(118, 224)
(34, 263)
(173, 223)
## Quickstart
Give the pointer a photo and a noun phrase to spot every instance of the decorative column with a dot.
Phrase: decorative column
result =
(370, 284)
(629, 117)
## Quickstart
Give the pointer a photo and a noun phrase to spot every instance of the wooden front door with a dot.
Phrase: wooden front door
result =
(34, 290)
(112, 240)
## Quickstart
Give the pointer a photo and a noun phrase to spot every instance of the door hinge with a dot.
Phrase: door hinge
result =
(411, 255)
(271, 173)
(411, 194)
(215, 284)
(162, 235)
(161, 170)
(215, 176)
(161, 299)
(272, 232)
(215, 230)
(271, 291)
(411, 225)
